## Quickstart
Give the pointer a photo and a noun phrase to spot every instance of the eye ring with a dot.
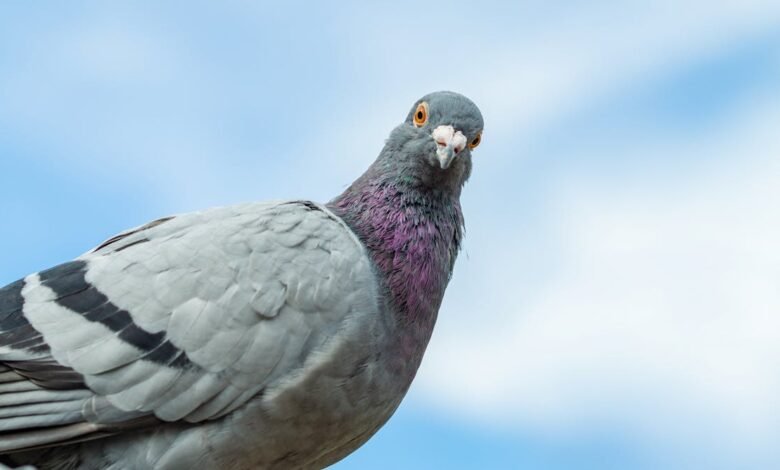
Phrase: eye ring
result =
(421, 114)
(476, 141)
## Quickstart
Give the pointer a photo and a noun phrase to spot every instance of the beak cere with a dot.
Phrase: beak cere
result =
(448, 144)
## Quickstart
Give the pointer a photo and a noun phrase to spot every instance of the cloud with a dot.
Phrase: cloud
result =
(659, 313)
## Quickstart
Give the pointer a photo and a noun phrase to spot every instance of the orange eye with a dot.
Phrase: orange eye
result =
(421, 115)
(475, 141)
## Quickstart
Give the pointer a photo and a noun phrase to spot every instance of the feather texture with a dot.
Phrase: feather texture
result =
(216, 331)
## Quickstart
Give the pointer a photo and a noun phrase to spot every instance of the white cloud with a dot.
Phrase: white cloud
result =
(591, 52)
(660, 314)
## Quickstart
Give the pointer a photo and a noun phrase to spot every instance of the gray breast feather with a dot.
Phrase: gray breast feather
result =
(190, 317)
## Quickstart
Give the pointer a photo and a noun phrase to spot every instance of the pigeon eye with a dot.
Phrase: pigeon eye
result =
(473, 144)
(421, 115)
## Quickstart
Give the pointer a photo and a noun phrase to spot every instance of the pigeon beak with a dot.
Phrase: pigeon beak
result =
(446, 156)
(449, 144)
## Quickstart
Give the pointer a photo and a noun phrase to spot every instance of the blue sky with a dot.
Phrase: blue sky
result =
(616, 304)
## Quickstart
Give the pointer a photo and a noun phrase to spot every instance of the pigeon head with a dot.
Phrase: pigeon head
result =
(437, 139)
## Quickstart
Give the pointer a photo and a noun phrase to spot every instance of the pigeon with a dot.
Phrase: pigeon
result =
(262, 335)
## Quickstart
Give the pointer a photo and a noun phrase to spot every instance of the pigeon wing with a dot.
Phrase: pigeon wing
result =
(184, 319)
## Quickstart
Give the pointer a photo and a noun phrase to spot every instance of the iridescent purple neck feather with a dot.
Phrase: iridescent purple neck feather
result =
(412, 231)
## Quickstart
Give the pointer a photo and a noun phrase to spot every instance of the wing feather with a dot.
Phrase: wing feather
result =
(184, 319)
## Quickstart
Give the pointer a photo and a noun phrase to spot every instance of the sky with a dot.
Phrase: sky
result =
(617, 301)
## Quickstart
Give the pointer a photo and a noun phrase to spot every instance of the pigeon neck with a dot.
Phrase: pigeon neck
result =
(413, 235)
